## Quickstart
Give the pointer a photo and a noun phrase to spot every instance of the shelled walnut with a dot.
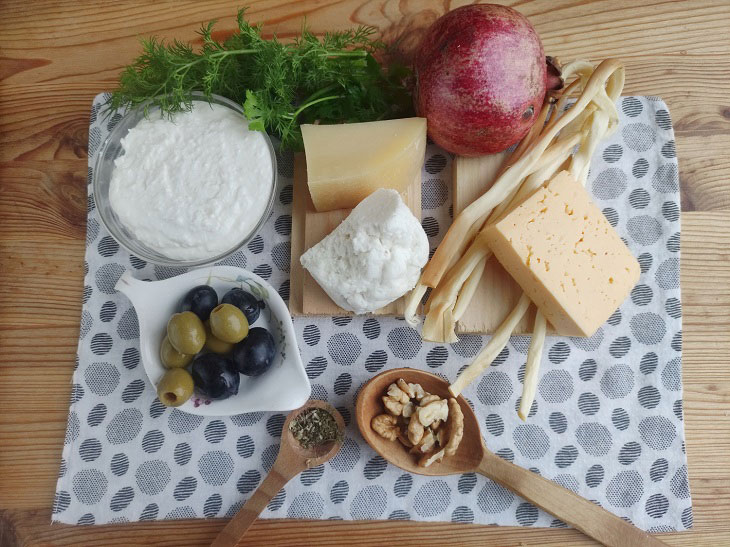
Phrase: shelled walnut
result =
(386, 426)
(426, 424)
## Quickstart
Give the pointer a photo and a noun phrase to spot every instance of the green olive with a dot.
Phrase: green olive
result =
(172, 358)
(227, 323)
(186, 332)
(213, 344)
(175, 387)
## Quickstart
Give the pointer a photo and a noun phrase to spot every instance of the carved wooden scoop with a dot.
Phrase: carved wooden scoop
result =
(292, 460)
(473, 455)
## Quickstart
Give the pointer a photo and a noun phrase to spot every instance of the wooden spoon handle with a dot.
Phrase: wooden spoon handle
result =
(589, 518)
(234, 531)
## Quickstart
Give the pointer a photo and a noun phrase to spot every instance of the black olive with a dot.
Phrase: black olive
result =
(200, 300)
(215, 376)
(244, 301)
(255, 354)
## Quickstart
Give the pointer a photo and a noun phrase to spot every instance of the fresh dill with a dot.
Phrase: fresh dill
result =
(333, 79)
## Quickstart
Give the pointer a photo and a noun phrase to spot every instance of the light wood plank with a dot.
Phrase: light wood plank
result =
(32, 527)
(497, 293)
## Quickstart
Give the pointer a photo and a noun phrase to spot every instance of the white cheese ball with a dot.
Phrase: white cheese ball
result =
(373, 257)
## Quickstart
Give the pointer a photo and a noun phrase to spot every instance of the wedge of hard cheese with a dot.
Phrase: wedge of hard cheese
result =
(348, 162)
(566, 256)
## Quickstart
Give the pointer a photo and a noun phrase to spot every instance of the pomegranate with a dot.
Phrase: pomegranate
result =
(481, 77)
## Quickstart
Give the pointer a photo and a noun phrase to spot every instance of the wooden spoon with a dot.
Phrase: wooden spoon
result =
(292, 460)
(473, 455)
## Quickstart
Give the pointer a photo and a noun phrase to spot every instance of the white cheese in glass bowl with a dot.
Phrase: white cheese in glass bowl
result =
(193, 186)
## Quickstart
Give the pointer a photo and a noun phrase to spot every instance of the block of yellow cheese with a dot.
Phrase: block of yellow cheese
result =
(348, 162)
(566, 256)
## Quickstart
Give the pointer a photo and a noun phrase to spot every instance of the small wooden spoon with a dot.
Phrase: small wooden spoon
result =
(473, 455)
(292, 460)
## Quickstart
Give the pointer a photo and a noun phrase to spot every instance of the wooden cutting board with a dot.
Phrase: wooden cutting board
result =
(309, 227)
(495, 296)
(497, 293)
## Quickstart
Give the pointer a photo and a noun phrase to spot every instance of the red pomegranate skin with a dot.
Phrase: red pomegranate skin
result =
(481, 79)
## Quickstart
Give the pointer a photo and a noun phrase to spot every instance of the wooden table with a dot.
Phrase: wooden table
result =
(55, 56)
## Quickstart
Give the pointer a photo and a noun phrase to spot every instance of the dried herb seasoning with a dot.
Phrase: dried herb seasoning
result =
(314, 427)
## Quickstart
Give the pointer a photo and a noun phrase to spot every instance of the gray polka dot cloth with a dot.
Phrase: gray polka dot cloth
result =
(606, 422)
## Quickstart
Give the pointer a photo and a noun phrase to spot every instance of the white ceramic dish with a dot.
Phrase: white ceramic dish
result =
(284, 386)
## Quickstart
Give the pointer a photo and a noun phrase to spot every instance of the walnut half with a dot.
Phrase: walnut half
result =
(386, 426)
(455, 427)
(397, 394)
(408, 410)
(392, 406)
(436, 410)
(407, 388)
(415, 429)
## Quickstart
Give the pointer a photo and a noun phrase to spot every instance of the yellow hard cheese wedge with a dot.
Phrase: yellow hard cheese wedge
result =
(566, 256)
(348, 162)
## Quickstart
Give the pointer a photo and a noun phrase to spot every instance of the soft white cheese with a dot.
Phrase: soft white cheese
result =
(373, 257)
(195, 186)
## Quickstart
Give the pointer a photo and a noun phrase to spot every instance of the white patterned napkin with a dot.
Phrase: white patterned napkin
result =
(606, 422)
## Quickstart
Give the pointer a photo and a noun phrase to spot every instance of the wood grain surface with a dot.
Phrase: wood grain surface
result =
(496, 292)
(56, 56)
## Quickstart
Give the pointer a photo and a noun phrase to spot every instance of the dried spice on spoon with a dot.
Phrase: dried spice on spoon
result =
(315, 427)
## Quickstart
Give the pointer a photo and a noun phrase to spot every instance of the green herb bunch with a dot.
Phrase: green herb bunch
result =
(334, 79)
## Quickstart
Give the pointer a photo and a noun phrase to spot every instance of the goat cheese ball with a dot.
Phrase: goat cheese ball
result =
(373, 257)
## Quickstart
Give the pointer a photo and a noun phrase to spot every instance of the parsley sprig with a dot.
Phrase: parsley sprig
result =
(332, 79)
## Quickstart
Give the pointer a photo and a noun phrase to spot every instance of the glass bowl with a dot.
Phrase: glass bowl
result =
(111, 149)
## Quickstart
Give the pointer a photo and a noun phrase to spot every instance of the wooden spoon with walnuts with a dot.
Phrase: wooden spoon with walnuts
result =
(472, 455)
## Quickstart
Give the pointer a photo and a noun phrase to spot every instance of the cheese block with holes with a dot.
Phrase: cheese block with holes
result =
(348, 162)
(565, 255)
